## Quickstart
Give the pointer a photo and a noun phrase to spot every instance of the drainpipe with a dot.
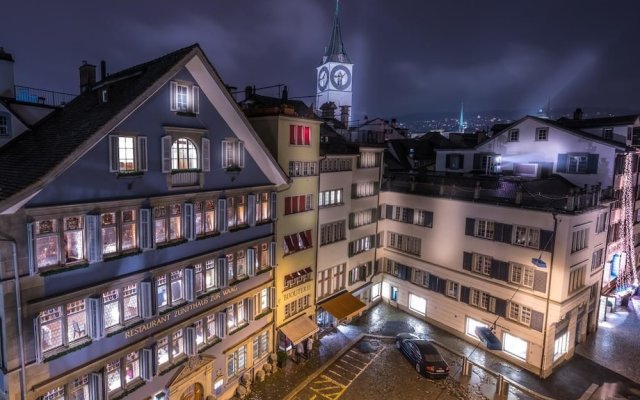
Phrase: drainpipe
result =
(546, 314)
(16, 277)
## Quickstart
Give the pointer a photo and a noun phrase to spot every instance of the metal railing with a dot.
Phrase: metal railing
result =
(41, 96)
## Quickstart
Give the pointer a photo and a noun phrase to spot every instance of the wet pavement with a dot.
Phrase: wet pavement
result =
(568, 382)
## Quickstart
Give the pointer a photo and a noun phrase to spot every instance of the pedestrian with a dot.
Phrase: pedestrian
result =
(299, 351)
(309, 346)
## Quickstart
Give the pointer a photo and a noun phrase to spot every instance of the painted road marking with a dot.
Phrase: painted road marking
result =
(324, 387)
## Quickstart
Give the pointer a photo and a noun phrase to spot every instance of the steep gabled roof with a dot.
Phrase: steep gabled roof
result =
(37, 156)
(335, 51)
(35, 153)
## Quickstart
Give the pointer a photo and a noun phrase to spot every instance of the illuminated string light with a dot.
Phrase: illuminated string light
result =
(628, 276)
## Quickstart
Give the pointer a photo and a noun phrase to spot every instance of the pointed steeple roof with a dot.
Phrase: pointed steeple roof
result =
(335, 50)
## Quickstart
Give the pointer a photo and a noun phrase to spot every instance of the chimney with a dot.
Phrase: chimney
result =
(87, 76)
(285, 95)
(577, 114)
(344, 115)
(247, 92)
(7, 82)
(103, 70)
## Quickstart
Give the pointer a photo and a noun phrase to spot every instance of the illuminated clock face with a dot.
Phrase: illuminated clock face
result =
(340, 77)
(323, 78)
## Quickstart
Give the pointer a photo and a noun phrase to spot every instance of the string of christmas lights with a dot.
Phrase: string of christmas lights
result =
(627, 276)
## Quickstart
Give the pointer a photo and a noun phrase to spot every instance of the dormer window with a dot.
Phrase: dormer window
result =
(185, 97)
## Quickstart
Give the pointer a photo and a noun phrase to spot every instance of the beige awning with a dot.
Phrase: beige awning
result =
(299, 329)
(343, 306)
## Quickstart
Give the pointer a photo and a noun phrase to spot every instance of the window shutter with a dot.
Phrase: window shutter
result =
(464, 294)
(94, 238)
(537, 320)
(95, 321)
(469, 228)
(507, 232)
(380, 239)
(428, 219)
(497, 232)
(389, 212)
(222, 215)
(146, 229)
(96, 390)
(188, 226)
(240, 149)
(476, 161)
(251, 261)
(189, 284)
(223, 271)
(31, 249)
(381, 212)
(287, 205)
(352, 220)
(206, 154)
(350, 249)
(223, 148)
(114, 160)
(248, 309)
(221, 324)
(562, 163)
(501, 307)
(272, 254)
(166, 154)
(410, 213)
(146, 364)
(592, 164)
(499, 270)
(174, 92)
(467, 260)
(272, 297)
(546, 240)
(146, 300)
(190, 347)
(251, 209)
(195, 98)
(292, 134)
(274, 206)
(540, 281)
(442, 286)
(37, 339)
(448, 160)
(143, 164)
(354, 190)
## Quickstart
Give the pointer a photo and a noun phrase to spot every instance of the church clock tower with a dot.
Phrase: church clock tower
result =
(335, 75)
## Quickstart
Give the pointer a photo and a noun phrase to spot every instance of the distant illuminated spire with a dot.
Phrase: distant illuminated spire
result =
(335, 50)
(461, 122)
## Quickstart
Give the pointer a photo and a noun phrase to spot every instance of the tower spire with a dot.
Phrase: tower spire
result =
(461, 121)
(335, 50)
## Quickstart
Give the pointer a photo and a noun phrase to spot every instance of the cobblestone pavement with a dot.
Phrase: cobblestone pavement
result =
(568, 382)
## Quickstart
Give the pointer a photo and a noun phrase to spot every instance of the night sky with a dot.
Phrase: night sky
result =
(409, 56)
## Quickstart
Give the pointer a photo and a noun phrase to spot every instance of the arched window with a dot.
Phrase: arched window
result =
(184, 155)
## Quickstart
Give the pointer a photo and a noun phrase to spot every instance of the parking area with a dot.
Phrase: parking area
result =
(374, 369)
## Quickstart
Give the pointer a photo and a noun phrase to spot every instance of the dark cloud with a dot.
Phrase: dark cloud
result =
(410, 56)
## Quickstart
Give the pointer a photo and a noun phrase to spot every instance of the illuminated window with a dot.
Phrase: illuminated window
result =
(132, 368)
(111, 308)
(161, 291)
(577, 164)
(127, 154)
(260, 345)
(417, 304)
(47, 243)
(236, 361)
(263, 206)
(130, 301)
(177, 295)
(515, 346)
(526, 236)
(177, 344)
(51, 328)
(232, 154)
(576, 278)
(330, 198)
(237, 211)
(54, 394)
(471, 326)
(297, 242)
(185, 97)
(205, 217)
(560, 345)
(119, 232)
(168, 223)
(113, 376)
(303, 168)
(79, 388)
(299, 135)
(76, 320)
(163, 350)
(184, 155)
(453, 288)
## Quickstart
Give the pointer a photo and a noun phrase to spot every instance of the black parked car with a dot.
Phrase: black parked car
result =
(423, 355)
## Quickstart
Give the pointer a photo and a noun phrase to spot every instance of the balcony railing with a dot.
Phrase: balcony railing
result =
(546, 194)
(190, 178)
(41, 96)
